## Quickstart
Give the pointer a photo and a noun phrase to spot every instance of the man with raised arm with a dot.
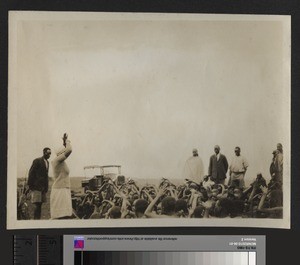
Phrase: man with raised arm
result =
(60, 198)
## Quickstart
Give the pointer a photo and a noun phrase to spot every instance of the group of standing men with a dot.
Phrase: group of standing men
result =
(60, 198)
(218, 167)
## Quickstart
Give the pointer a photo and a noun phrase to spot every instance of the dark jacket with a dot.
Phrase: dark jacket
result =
(217, 168)
(38, 175)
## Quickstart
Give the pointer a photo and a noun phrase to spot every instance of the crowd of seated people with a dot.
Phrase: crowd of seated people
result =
(187, 200)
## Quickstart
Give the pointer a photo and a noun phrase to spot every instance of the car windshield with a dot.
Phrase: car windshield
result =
(110, 170)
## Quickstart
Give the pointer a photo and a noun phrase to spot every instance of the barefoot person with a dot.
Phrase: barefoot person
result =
(60, 198)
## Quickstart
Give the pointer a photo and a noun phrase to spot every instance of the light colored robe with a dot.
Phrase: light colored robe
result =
(194, 169)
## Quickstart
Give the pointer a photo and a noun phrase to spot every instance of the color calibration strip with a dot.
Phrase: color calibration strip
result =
(163, 258)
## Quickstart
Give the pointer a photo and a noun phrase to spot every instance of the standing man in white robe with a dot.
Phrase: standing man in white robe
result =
(193, 168)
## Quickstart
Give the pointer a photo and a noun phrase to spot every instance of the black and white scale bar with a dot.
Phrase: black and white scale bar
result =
(25, 250)
(50, 250)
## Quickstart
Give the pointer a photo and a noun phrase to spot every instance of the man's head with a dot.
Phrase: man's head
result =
(260, 181)
(195, 152)
(46, 152)
(237, 151)
(181, 205)
(279, 147)
(140, 207)
(115, 212)
(217, 149)
(214, 192)
(158, 208)
(237, 193)
(168, 205)
(199, 212)
(222, 208)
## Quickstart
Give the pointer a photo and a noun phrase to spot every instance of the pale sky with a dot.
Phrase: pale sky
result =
(143, 93)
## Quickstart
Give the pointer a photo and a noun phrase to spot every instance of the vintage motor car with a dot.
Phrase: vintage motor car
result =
(106, 172)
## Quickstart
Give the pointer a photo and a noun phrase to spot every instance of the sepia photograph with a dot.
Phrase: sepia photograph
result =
(147, 120)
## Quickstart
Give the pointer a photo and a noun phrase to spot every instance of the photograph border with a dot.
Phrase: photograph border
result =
(13, 223)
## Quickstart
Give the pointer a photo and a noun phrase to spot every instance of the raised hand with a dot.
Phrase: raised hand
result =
(65, 137)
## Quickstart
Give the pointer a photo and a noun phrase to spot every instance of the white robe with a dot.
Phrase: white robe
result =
(193, 169)
(60, 203)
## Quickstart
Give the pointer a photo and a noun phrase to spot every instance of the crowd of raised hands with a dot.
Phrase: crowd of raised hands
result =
(186, 200)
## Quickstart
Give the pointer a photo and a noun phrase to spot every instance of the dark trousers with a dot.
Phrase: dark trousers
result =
(220, 181)
(37, 211)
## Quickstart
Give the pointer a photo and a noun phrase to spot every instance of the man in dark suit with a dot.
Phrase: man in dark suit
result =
(218, 166)
(38, 181)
